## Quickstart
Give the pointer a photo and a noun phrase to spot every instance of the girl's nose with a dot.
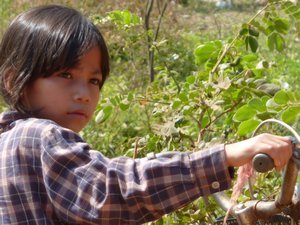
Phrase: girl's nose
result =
(82, 94)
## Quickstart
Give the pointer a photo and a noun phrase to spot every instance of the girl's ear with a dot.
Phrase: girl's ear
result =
(7, 80)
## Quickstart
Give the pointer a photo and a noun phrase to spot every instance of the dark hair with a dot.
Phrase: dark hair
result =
(42, 41)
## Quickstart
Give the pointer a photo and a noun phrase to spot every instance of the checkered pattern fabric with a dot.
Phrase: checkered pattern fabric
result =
(49, 175)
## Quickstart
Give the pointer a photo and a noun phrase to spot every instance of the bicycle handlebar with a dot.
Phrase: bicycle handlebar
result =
(250, 212)
(262, 163)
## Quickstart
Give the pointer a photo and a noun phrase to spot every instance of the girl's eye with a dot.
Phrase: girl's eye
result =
(95, 81)
(65, 75)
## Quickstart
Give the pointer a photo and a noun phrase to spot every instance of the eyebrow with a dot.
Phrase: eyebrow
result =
(93, 72)
(97, 72)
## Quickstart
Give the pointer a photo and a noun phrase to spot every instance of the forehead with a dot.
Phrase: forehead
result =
(91, 60)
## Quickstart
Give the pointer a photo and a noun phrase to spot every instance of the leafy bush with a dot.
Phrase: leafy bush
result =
(209, 86)
(236, 86)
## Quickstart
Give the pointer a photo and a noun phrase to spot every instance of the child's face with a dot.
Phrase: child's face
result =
(68, 97)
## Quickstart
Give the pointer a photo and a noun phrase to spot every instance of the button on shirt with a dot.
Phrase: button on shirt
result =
(49, 175)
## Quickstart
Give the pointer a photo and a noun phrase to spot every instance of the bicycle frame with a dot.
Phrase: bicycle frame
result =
(287, 202)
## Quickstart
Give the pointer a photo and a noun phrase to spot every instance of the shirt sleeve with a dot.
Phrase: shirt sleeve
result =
(86, 187)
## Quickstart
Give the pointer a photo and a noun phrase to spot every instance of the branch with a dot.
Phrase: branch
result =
(136, 150)
(223, 113)
(160, 19)
(199, 123)
(150, 101)
(149, 8)
(228, 47)
(170, 73)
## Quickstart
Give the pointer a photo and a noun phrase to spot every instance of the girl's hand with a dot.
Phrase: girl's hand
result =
(277, 147)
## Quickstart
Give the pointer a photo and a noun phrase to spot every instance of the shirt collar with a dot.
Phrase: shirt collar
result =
(7, 118)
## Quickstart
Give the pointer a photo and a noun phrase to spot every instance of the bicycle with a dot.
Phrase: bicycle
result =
(285, 208)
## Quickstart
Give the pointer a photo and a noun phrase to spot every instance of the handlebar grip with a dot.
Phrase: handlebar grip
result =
(262, 163)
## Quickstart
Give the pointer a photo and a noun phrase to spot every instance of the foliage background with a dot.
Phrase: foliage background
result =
(197, 96)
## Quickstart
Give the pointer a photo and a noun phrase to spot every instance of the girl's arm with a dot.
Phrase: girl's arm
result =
(85, 187)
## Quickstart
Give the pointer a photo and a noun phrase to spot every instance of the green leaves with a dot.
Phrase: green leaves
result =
(251, 34)
(103, 114)
(290, 105)
(244, 113)
(209, 50)
(124, 104)
(284, 103)
(291, 114)
(112, 105)
(124, 19)
(257, 104)
(251, 42)
(253, 31)
(246, 116)
(248, 126)
(281, 97)
(274, 28)
(276, 41)
(281, 25)
(291, 9)
(243, 90)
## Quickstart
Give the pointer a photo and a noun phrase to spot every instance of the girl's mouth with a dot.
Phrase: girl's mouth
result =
(78, 114)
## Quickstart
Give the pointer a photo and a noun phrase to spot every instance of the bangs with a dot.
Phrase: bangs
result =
(65, 42)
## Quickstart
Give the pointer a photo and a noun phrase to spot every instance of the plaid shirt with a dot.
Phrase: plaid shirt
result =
(49, 175)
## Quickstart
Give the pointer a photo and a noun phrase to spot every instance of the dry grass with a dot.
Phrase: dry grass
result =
(199, 18)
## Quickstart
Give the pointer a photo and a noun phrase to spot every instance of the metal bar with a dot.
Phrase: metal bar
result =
(288, 185)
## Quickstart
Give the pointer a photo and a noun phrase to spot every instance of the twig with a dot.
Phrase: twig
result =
(151, 101)
(200, 125)
(160, 20)
(226, 111)
(227, 47)
(149, 8)
(183, 135)
(170, 73)
(136, 148)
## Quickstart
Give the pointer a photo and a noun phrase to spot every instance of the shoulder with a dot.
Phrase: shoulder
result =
(34, 126)
(38, 130)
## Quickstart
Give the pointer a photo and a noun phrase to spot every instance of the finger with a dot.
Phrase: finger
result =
(279, 148)
(284, 138)
(274, 141)
(276, 138)
(279, 168)
(278, 164)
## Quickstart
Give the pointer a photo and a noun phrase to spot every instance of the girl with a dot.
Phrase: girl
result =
(53, 63)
